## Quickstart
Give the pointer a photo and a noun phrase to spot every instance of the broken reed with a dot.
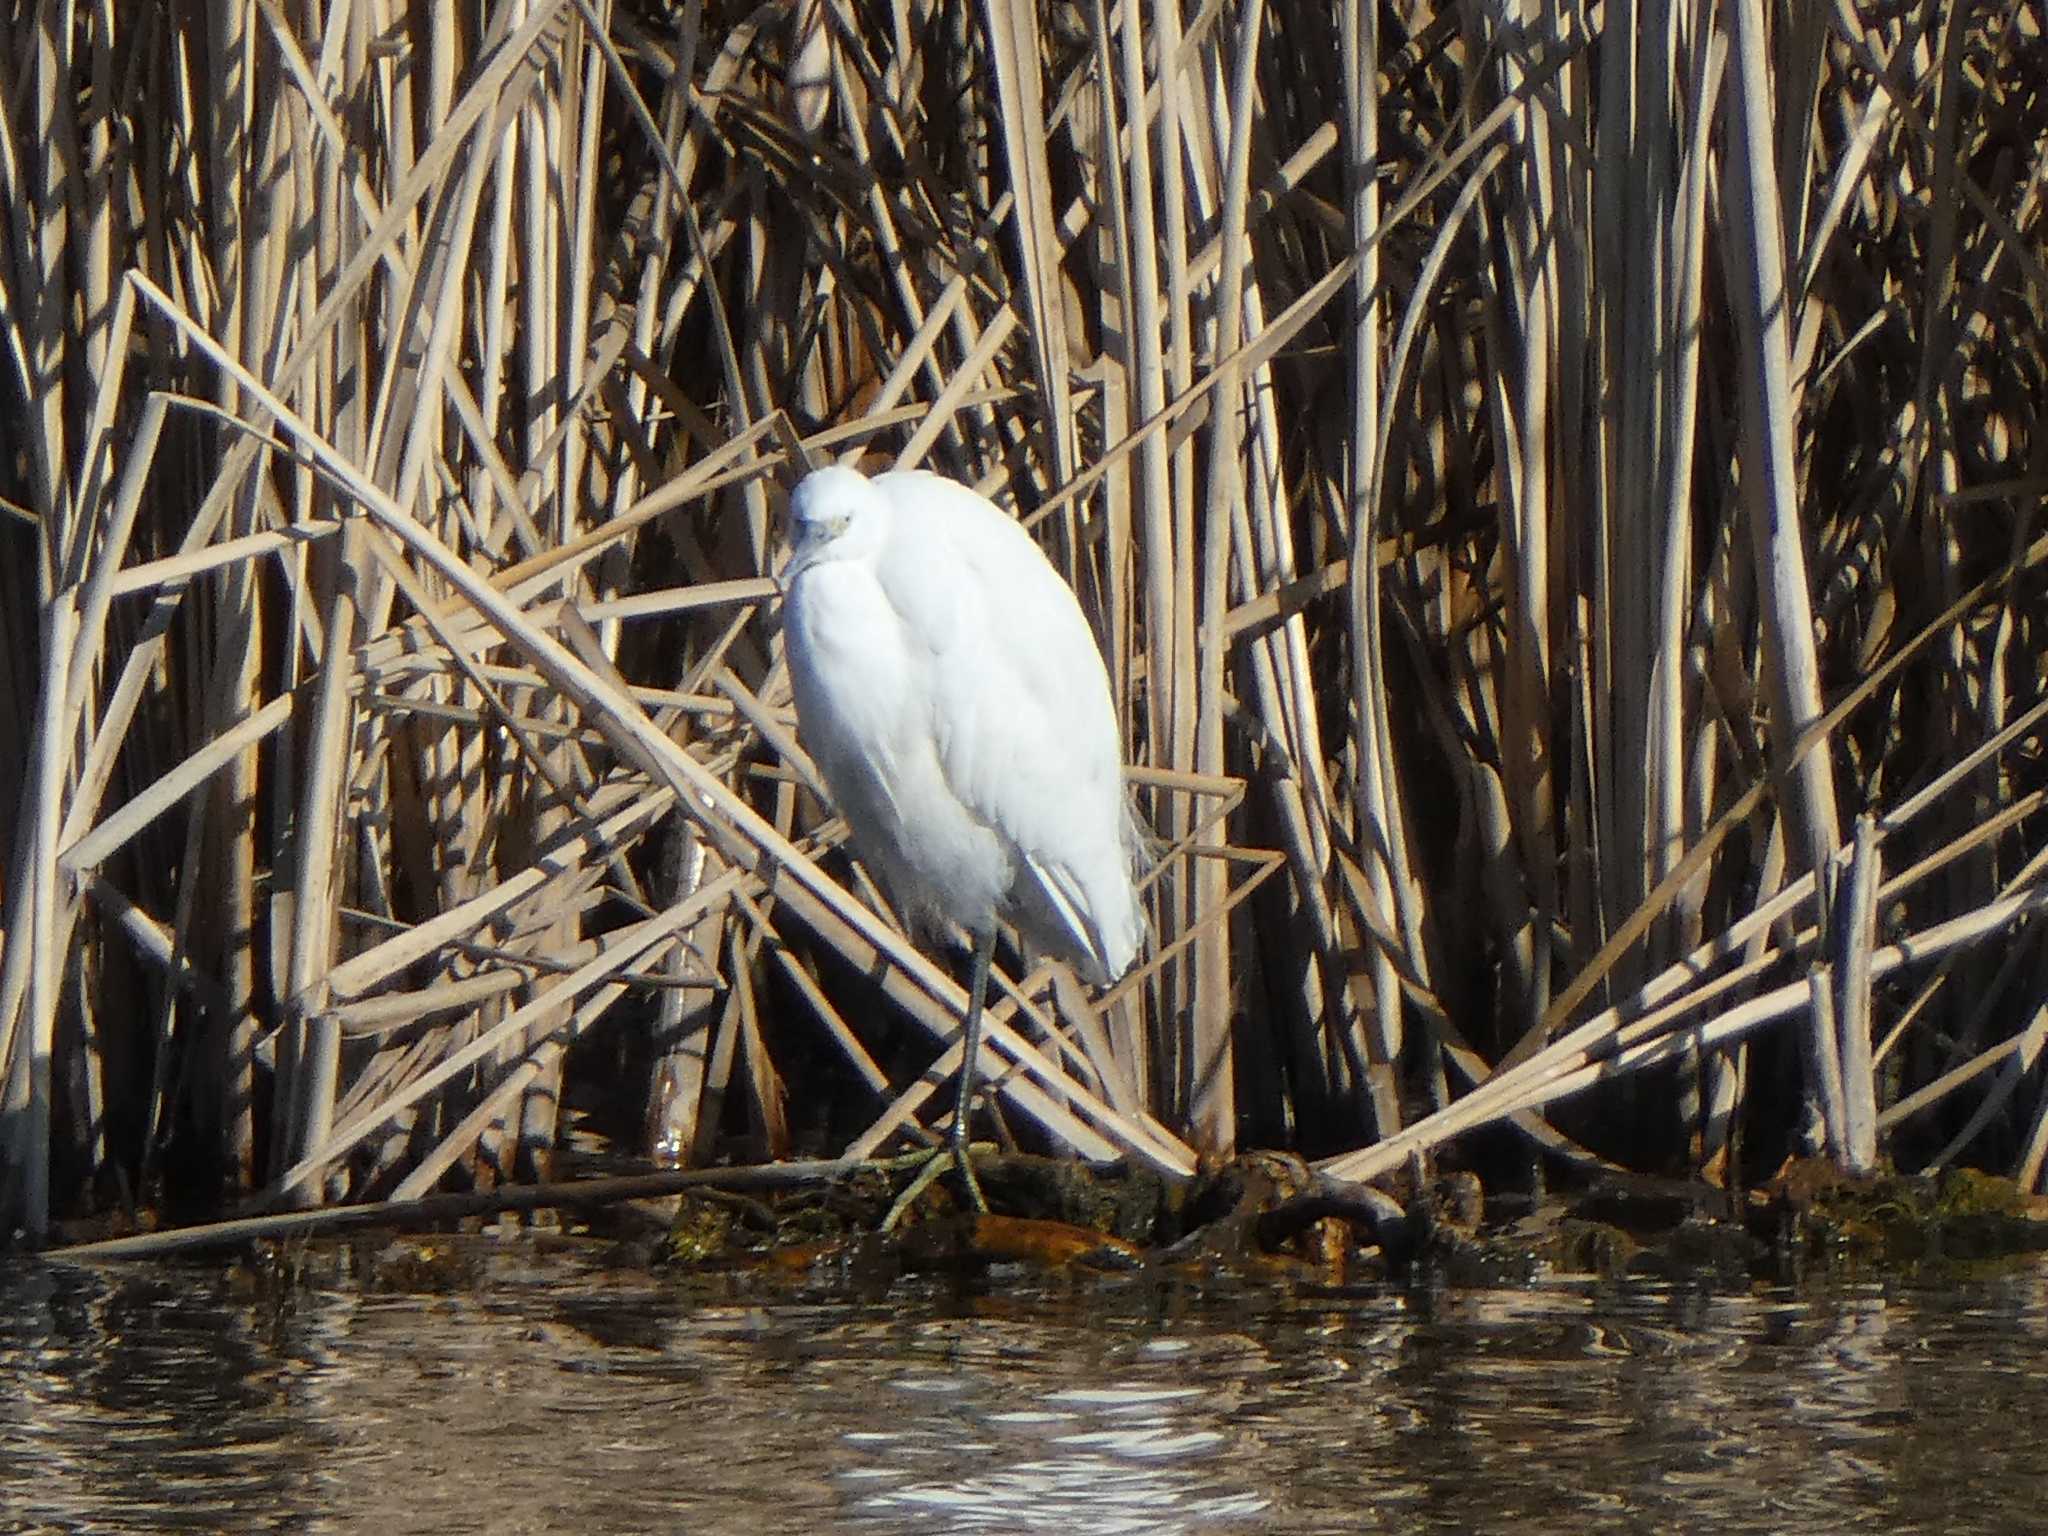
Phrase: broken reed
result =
(1559, 509)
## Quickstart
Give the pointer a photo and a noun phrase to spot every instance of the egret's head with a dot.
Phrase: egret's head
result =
(834, 514)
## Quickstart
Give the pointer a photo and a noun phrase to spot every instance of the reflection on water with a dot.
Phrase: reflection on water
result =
(551, 1395)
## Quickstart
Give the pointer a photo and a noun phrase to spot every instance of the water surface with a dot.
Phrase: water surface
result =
(544, 1392)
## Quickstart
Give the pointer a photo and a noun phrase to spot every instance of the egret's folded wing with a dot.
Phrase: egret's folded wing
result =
(1022, 718)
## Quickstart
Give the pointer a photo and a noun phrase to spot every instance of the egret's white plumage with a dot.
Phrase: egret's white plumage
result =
(951, 694)
(950, 691)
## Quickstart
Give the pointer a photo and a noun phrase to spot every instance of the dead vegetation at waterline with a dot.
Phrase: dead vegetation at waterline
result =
(1262, 1224)
(1521, 566)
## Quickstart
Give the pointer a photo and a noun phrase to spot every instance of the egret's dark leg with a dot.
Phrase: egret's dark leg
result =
(956, 1138)
(970, 1048)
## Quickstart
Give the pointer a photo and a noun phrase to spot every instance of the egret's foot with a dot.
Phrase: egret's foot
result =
(960, 1155)
(963, 1159)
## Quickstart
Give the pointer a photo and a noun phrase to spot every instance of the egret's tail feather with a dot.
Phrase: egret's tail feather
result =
(1055, 911)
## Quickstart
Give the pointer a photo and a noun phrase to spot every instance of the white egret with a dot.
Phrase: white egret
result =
(950, 691)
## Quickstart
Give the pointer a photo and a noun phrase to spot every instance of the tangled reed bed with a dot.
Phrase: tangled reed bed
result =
(1557, 492)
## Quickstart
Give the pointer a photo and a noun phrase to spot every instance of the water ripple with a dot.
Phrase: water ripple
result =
(549, 1395)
